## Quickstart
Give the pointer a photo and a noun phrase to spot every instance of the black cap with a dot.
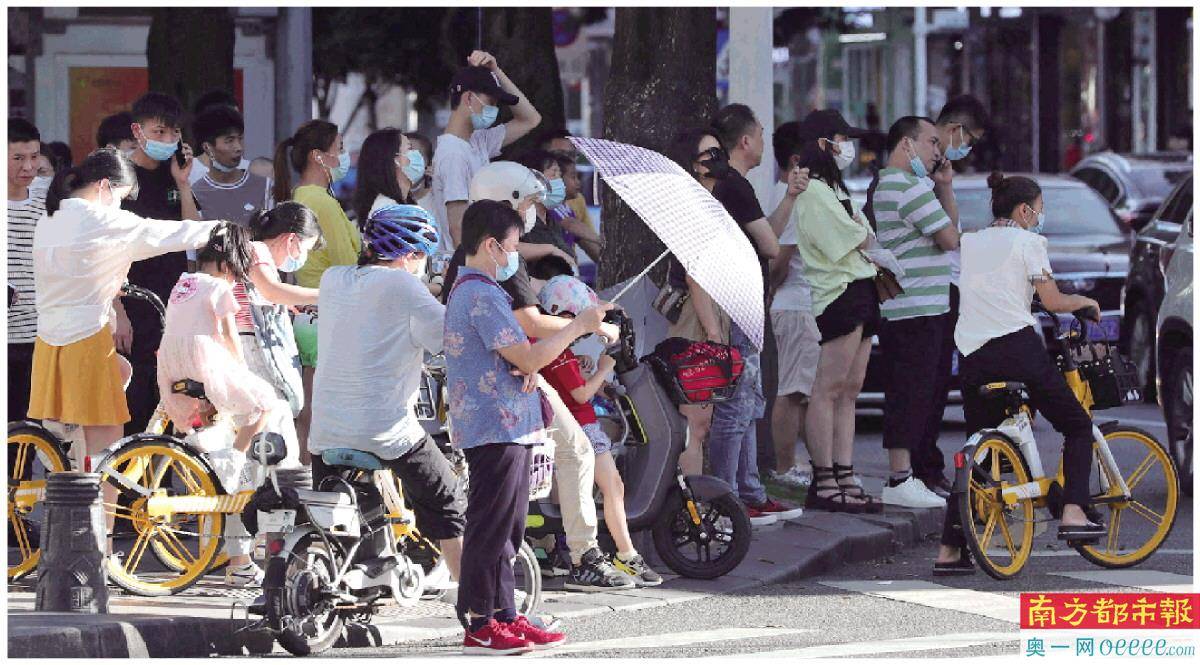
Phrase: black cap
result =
(481, 79)
(827, 122)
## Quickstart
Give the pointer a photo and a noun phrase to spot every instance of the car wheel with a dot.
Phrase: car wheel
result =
(1141, 352)
(1177, 404)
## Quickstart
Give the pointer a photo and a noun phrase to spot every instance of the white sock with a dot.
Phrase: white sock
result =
(626, 556)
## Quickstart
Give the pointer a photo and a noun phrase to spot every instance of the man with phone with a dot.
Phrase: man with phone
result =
(162, 163)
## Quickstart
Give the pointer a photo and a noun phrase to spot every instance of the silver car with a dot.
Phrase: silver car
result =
(1175, 351)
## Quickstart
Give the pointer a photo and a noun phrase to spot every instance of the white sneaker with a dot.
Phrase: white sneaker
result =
(243, 577)
(912, 493)
(764, 519)
(793, 477)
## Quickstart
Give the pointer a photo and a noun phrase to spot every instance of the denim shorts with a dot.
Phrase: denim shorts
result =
(600, 441)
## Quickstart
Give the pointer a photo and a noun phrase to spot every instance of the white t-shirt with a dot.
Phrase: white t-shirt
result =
(199, 170)
(795, 294)
(455, 162)
(375, 326)
(998, 266)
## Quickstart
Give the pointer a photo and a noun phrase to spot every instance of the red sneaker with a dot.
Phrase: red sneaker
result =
(541, 638)
(494, 639)
(774, 507)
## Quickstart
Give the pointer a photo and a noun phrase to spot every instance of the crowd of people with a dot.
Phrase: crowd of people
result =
(304, 318)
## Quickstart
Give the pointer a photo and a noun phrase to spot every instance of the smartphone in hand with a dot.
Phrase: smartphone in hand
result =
(180, 158)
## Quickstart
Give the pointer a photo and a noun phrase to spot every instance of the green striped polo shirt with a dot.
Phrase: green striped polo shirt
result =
(907, 214)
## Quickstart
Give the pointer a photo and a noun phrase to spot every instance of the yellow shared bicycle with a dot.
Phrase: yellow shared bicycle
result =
(1005, 498)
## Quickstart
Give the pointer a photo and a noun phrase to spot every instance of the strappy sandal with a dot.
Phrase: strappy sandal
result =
(853, 489)
(836, 502)
(964, 566)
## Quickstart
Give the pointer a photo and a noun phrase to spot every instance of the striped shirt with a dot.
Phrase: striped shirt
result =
(23, 218)
(907, 215)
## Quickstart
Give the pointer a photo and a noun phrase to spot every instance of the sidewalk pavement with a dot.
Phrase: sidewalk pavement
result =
(198, 622)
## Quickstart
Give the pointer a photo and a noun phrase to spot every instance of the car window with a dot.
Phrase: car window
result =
(1176, 209)
(1101, 182)
(1156, 183)
(1070, 211)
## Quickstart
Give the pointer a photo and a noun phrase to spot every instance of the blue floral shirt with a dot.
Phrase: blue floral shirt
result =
(486, 402)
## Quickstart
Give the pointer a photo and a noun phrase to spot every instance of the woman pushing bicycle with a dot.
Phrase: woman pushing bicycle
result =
(1003, 266)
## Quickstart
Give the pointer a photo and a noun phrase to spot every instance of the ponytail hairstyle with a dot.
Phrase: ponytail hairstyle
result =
(1010, 192)
(292, 153)
(287, 217)
(820, 163)
(229, 248)
(104, 164)
(377, 172)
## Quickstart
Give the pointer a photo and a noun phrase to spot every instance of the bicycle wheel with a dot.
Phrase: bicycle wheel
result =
(1138, 524)
(185, 545)
(33, 454)
(996, 465)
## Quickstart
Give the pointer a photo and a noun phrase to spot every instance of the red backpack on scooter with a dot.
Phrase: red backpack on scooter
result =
(696, 372)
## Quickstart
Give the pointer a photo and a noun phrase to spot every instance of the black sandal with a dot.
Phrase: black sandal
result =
(841, 472)
(834, 503)
(964, 566)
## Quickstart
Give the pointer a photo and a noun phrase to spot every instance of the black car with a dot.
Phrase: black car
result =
(1133, 185)
(1088, 252)
(1143, 291)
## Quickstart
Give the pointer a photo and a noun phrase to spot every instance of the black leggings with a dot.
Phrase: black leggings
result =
(1020, 356)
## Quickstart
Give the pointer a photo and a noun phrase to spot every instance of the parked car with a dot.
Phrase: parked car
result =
(1174, 350)
(1133, 185)
(1144, 289)
(1086, 245)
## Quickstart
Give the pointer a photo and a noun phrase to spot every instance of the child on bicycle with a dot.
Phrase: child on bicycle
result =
(1003, 267)
(201, 343)
(566, 296)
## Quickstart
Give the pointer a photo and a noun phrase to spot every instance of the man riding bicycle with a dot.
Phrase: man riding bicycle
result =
(377, 320)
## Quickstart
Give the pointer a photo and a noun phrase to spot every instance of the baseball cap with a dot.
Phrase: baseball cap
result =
(827, 122)
(481, 79)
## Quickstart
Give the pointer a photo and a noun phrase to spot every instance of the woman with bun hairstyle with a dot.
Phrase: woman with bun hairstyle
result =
(81, 258)
(316, 152)
(1003, 266)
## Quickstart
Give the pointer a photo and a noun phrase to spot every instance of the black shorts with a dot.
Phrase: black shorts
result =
(858, 305)
(430, 487)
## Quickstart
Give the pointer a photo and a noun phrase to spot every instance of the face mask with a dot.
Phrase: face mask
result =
(917, 166)
(558, 193)
(717, 168)
(415, 170)
(955, 153)
(218, 166)
(506, 271)
(486, 117)
(40, 182)
(846, 157)
(293, 264)
(113, 201)
(338, 172)
(1041, 223)
(160, 151)
(530, 219)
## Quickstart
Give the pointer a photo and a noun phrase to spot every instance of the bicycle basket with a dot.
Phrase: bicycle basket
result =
(1112, 379)
(541, 470)
(696, 372)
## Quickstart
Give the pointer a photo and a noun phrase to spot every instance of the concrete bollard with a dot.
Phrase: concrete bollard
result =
(72, 576)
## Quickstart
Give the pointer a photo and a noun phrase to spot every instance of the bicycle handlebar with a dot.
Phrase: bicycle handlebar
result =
(129, 290)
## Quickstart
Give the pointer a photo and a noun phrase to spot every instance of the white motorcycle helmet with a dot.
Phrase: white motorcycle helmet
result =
(510, 182)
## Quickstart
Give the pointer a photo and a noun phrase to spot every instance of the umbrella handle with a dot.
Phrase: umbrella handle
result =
(640, 275)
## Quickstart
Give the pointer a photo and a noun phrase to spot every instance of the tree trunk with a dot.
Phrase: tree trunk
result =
(522, 39)
(663, 80)
(190, 52)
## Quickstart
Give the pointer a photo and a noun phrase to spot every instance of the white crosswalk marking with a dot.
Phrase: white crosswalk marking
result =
(1073, 553)
(937, 596)
(1153, 580)
(902, 645)
(672, 640)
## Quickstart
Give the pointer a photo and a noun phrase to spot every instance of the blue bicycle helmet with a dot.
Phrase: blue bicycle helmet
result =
(395, 230)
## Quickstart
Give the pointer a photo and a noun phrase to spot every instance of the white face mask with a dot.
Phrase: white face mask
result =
(530, 218)
(846, 157)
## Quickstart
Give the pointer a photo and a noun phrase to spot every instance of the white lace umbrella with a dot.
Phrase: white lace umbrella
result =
(693, 225)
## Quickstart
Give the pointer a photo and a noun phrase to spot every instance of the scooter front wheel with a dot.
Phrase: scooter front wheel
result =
(705, 543)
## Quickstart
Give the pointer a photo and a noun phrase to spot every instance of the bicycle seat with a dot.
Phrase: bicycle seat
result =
(188, 387)
(1001, 389)
(351, 458)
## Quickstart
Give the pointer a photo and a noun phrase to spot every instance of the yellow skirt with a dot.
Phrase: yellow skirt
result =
(79, 383)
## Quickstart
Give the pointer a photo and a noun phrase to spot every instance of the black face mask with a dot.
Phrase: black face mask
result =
(717, 168)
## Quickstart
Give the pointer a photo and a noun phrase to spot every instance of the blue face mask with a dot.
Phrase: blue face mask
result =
(160, 151)
(506, 271)
(955, 153)
(485, 118)
(557, 193)
(416, 166)
(917, 166)
(338, 172)
(1041, 223)
(292, 264)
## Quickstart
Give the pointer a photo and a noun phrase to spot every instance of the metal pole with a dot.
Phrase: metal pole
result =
(640, 275)
(1035, 77)
(293, 70)
(920, 63)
